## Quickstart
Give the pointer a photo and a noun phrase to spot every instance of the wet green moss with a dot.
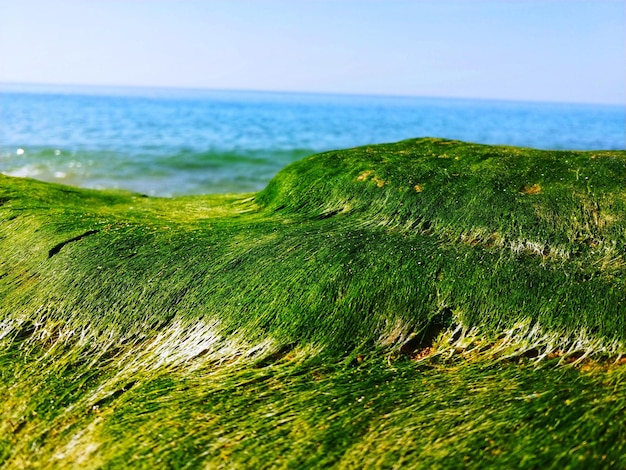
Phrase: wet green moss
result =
(277, 329)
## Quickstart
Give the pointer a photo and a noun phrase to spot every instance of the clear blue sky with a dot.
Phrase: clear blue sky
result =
(559, 50)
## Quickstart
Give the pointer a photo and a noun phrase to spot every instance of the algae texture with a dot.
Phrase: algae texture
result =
(423, 304)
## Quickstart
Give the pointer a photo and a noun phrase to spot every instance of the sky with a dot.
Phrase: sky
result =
(558, 50)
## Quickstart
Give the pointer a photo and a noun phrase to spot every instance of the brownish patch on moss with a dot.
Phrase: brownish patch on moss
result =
(589, 364)
(418, 188)
(534, 189)
(367, 173)
(363, 176)
(421, 353)
(494, 239)
(379, 182)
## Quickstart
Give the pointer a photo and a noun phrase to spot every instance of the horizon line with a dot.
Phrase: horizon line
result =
(182, 88)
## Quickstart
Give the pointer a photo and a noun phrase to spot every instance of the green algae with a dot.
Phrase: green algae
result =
(277, 329)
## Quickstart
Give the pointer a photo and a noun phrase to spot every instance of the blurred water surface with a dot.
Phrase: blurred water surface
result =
(171, 142)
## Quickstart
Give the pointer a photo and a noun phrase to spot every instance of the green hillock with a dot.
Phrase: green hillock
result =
(424, 304)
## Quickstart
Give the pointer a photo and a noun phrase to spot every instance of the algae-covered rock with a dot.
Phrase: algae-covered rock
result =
(359, 299)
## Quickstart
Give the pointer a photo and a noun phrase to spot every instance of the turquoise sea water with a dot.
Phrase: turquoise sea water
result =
(172, 142)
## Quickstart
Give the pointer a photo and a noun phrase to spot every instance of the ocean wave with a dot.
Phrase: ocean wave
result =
(182, 172)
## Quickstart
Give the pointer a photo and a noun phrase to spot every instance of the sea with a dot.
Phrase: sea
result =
(170, 142)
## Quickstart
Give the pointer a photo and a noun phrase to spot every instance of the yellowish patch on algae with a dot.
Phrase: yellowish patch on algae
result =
(532, 189)
(363, 176)
(379, 181)
(367, 173)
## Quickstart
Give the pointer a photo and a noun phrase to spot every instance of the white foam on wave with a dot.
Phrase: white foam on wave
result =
(27, 171)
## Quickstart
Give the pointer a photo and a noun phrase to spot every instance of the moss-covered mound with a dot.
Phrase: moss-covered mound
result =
(420, 304)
